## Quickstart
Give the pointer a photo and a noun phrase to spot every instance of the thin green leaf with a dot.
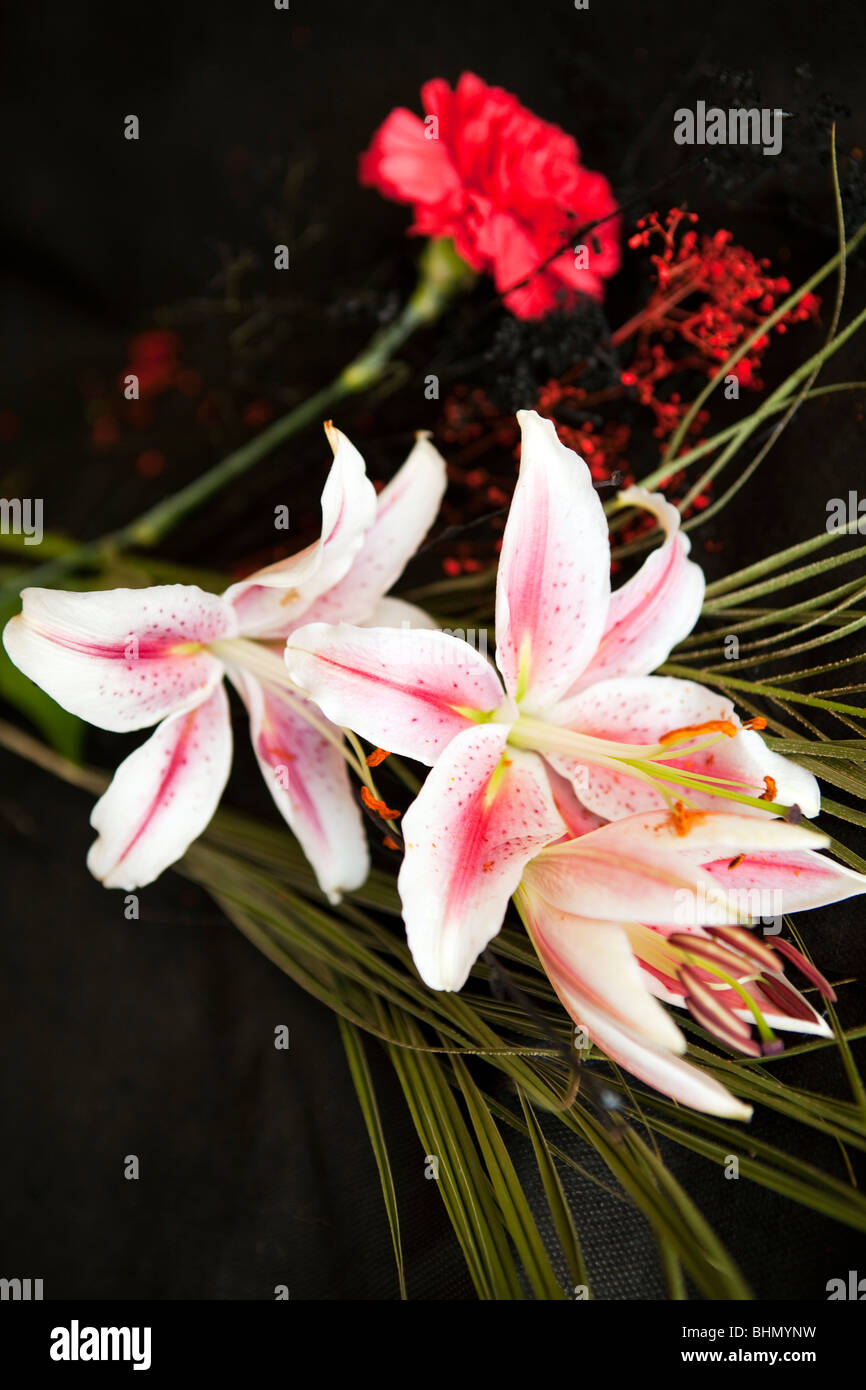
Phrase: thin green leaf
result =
(557, 1202)
(363, 1083)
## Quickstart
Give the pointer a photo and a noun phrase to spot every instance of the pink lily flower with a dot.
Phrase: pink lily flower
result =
(649, 907)
(125, 659)
(578, 709)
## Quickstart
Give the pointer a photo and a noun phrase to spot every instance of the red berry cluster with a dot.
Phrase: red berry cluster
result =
(708, 297)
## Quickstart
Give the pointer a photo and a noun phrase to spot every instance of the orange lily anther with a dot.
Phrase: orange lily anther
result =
(375, 803)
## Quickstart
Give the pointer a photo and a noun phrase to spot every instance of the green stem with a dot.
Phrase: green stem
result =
(441, 276)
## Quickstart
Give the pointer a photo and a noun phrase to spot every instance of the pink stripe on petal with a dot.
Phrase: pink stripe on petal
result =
(643, 869)
(655, 609)
(553, 588)
(162, 796)
(788, 881)
(483, 811)
(121, 658)
(307, 777)
(601, 877)
(401, 689)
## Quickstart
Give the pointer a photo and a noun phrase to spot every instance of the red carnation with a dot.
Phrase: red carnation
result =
(507, 186)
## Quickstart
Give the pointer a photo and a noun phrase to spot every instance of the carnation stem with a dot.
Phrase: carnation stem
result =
(442, 275)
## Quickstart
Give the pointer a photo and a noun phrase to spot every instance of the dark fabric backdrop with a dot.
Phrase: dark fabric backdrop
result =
(155, 1037)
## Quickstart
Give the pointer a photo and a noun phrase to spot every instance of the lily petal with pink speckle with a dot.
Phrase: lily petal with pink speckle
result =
(573, 660)
(125, 659)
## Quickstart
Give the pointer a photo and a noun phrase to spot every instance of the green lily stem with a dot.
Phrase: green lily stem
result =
(442, 275)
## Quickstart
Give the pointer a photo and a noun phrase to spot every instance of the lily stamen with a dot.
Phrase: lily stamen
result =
(768, 1037)
(750, 945)
(645, 762)
(711, 726)
(806, 968)
(714, 1015)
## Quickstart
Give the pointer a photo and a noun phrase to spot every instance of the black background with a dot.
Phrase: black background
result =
(156, 1037)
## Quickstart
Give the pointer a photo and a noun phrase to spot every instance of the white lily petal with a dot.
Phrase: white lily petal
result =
(121, 658)
(656, 608)
(406, 690)
(406, 509)
(642, 709)
(162, 796)
(272, 601)
(306, 775)
(396, 612)
(657, 1067)
(595, 959)
(481, 814)
(553, 587)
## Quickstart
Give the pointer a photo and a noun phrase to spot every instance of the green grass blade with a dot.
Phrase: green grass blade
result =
(516, 1212)
(363, 1083)
(560, 1211)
